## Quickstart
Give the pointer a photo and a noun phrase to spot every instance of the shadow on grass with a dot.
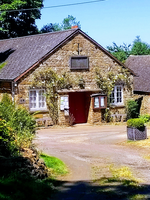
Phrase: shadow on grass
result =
(16, 187)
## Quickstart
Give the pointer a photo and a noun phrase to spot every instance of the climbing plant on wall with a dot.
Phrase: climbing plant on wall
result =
(106, 79)
(52, 81)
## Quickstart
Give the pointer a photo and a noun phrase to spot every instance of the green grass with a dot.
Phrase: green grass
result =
(56, 166)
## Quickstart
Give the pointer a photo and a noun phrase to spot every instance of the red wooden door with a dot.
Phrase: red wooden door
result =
(77, 106)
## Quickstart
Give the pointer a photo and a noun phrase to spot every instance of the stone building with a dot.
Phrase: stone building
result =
(72, 51)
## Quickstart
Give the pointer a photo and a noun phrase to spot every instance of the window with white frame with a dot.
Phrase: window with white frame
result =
(37, 99)
(116, 97)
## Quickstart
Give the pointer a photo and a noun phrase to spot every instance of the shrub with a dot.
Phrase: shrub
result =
(7, 140)
(19, 119)
(136, 123)
(145, 117)
(132, 109)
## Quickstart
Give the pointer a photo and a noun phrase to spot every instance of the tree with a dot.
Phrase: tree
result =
(67, 23)
(50, 28)
(19, 22)
(139, 47)
(122, 52)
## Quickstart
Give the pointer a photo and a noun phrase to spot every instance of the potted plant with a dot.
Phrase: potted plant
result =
(136, 129)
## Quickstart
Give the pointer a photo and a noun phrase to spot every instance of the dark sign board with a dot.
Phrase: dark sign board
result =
(79, 62)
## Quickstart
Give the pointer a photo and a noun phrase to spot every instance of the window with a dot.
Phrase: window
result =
(37, 100)
(116, 97)
(99, 101)
(79, 62)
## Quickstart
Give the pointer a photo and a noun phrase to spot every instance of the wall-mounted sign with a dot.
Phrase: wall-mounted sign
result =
(64, 102)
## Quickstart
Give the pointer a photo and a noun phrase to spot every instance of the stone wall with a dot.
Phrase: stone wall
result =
(60, 62)
(145, 103)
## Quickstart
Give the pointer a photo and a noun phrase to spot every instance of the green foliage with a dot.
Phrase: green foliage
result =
(140, 48)
(2, 65)
(122, 52)
(20, 120)
(50, 28)
(132, 109)
(145, 117)
(136, 123)
(56, 165)
(67, 23)
(107, 115)
(19, 23)
(52, 82)
(22, 187)
(106, 79)
(7, 143)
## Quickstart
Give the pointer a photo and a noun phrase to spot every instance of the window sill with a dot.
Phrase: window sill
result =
(117, 105)
(38, 110)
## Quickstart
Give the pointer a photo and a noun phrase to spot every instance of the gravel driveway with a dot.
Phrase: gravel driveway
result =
(83, 147)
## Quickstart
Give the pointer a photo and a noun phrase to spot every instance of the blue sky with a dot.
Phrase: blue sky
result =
(107, 21)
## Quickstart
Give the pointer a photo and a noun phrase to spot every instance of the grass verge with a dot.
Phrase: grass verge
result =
(56, 166)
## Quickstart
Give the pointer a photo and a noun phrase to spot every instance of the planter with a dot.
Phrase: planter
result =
(136, 134)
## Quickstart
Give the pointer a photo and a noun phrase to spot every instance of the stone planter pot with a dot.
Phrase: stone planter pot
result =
(136, 134)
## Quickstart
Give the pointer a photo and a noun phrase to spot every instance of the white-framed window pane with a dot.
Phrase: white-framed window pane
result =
(41, 99)
(32, 99)
(96, 102)
(112, 97)
(37, 99)
(116, 96)
(119, 94)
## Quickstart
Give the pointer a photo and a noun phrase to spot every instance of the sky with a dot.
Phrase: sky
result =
(107, 21)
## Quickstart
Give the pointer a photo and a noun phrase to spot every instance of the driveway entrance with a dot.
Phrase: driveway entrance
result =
(81, 146)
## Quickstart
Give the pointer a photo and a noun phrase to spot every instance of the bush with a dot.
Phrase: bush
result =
(136, 123)
(7, 140)
(132, 109)
(145, 117)
(19, 119)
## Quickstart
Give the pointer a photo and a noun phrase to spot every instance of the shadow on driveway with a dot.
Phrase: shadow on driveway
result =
(87, 190)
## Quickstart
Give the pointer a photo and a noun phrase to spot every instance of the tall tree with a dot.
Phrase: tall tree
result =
(19, 22)
(67, 23)
(139, 47)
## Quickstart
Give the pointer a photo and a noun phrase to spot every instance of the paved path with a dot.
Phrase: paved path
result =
(83, 147)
